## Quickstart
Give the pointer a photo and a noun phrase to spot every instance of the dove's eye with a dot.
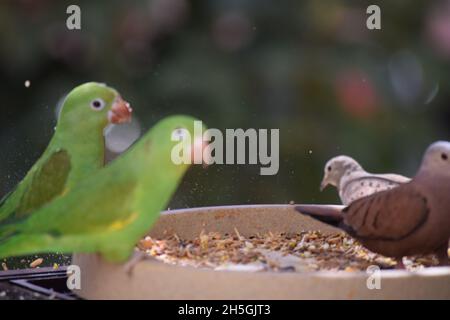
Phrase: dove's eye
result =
(444, 156)
(97, 104)
(329, 168)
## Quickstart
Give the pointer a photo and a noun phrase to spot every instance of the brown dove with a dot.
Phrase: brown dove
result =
(353, 182)
(412, 219)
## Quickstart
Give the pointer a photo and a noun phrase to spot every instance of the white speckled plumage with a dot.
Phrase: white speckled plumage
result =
(353, 182)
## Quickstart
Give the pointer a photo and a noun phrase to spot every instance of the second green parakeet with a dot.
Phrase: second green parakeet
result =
(112, 209)
(75, 151)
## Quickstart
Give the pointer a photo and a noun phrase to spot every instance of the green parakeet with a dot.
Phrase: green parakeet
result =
(75, 151)
(112, 209)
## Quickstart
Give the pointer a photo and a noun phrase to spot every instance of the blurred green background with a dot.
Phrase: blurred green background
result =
(310, 68)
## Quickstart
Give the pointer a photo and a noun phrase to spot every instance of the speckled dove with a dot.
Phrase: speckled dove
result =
(413, 218)
(353, 182)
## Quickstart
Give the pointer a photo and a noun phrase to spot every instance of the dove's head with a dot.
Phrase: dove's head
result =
(336, 168)
(437, 157)
(90, 107)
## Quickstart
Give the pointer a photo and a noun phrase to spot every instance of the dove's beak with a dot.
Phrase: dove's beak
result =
(323, 185)
(120, 112)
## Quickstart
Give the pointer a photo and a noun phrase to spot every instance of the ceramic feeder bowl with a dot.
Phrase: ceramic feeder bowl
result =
(153, 279)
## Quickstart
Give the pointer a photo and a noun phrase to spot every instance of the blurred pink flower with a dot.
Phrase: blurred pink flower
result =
(438, 28)
(356, 94)
(232, 31)
(70, 47)
(139, 29)
(348, 25)
(34, 9)
(167, 16)
(135, 34)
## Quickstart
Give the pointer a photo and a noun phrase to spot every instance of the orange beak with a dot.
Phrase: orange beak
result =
(199, 146)
(120, 112)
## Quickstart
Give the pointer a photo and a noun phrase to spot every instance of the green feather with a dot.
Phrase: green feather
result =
(6, 196)
(48, 182)
(111, 210)
(75, 152)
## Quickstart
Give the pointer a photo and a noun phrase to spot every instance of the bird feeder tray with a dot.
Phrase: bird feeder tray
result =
(154, 279)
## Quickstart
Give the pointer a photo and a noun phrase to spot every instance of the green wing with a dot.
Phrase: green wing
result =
(46, 184)
(94, 206)
(3, 200)
(76, 221)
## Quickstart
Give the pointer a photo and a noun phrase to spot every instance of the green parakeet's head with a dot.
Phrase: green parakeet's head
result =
(187, 141)
(90, 106)
(176, 140)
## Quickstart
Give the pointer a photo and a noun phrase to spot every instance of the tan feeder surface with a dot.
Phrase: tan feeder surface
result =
(153, 279)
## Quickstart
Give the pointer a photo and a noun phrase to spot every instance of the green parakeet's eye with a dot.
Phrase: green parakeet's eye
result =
(179, 134)
(97, 104)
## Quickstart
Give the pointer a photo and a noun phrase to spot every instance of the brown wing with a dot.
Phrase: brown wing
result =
(388, 215)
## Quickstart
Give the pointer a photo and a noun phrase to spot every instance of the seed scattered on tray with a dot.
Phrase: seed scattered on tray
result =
(302, 252)
(36, 263)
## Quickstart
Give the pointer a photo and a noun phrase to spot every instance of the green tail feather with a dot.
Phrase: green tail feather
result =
(20, 245)
(7, 232)
(9, 227)
(5, 197)
(13, 243)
